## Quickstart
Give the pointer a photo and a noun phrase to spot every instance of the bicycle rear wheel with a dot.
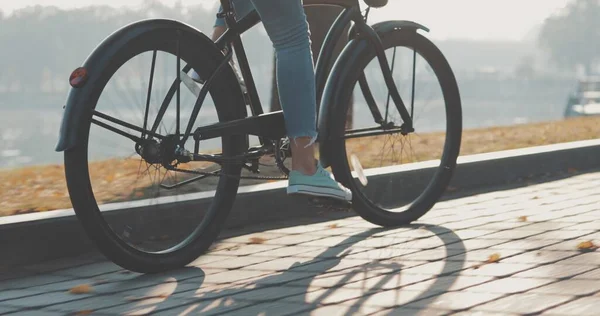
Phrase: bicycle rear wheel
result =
(130, 201)
(405, 174)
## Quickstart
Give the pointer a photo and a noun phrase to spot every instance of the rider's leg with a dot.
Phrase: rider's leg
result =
(217, 32)
(287, 27)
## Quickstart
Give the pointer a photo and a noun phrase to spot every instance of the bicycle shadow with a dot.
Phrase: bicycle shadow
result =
(292, 292)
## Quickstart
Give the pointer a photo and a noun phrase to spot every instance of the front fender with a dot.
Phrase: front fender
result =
(333, 107)
(71, 129)
(388, 26)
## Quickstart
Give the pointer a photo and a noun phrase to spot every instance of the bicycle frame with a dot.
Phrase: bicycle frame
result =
(232, 36)
(269, 127)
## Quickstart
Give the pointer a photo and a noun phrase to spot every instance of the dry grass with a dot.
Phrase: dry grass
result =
(43, 188)
(475, 141)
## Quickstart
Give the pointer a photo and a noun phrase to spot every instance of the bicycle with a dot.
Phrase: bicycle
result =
(159, 145)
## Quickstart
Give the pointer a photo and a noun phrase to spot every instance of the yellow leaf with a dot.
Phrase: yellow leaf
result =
(85, 312)
(493, 258)
(332, 226)
(522, 218)
(81, 289)
(586, 245)
(256, 241)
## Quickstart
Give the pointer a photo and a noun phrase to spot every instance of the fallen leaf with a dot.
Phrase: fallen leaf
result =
(332, 226)
(476, 266)
(522, 218)
(586, 245)
(493, 258)
(535, 198)
(81, 289)
(256, 241)
(84, 312)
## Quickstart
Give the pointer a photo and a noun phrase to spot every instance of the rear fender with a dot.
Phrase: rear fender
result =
(72, 129)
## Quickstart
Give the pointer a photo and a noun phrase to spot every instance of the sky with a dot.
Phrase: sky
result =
(447, 19)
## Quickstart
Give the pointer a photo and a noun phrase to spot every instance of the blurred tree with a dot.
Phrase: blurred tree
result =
(573, 36)
(45, 39)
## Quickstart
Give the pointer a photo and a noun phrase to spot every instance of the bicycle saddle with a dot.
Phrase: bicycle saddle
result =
(376, 3)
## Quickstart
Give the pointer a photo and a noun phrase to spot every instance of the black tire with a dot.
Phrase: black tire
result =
(441, 179)
(229, 104)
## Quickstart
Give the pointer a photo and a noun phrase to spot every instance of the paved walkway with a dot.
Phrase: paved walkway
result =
(348, 266)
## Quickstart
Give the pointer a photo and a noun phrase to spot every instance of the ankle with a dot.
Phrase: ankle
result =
(307, 169)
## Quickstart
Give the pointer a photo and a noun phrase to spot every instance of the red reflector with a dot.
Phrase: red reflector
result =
(78, 77)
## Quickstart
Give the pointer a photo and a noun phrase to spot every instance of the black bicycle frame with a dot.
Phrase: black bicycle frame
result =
(255, 124)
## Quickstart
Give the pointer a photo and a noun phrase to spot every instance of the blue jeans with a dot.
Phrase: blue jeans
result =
(287, 27)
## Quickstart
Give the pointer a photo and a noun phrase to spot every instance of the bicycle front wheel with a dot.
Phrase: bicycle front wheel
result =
(402, 176)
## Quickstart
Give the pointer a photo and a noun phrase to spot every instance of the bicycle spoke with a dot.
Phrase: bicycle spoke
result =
(409, 141)
(168, 98)
(149, 95)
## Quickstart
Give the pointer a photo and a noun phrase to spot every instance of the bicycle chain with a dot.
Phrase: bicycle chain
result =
(210, 174)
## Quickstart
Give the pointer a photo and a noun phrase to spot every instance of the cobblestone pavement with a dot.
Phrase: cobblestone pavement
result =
(348, 266)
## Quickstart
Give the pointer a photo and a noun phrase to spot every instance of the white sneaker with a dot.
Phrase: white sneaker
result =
(321, 184)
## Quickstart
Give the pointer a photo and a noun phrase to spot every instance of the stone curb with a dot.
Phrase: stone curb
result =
(33, 238)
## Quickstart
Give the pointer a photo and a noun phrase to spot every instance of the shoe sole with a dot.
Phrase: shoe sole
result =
(320, 192)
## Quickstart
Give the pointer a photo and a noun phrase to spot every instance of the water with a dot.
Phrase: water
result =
(29, 136)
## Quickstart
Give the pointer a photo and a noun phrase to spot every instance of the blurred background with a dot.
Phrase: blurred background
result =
(516, 62)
